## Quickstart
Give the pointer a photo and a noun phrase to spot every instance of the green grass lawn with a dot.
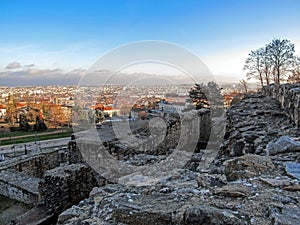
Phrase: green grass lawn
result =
(35, 137)
(21, 133)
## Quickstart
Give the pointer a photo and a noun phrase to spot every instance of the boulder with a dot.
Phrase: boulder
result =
(247, 166)
(209, 180)
(276, 182)
(286, 215)
(295, 187)
(210, 215)
(293, 169)
(234, 190)
(282, 145)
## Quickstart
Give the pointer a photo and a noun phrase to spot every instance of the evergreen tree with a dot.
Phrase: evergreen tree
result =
(198, 97)
(215, 98)
(23, 123)
(39, 125)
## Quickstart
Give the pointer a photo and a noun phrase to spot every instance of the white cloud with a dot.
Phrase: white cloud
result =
(13, 65)
(40, 77)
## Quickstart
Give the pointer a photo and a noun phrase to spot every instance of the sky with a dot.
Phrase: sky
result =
(55, 42)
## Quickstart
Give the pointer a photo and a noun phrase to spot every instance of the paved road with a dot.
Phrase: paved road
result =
(34, 146)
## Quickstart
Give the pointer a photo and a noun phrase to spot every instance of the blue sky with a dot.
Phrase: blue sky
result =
(70, 35)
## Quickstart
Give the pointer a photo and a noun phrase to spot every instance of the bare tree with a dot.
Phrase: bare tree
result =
(57, 115)
(274, 61)
(244, 85)
(266, 65)
(281, 55)
(254, 65)
(294, 77)
(11, 110)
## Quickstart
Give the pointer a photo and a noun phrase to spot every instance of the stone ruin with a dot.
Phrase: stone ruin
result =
(253, 178)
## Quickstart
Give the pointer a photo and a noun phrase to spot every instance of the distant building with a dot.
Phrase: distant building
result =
(177, 107)
(112, 112)
(107, 109)
(2, 111)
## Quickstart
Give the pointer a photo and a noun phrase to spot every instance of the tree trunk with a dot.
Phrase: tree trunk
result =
(278, 74)
(261, 80)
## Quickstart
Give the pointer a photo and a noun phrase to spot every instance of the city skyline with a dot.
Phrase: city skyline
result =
(55, 43)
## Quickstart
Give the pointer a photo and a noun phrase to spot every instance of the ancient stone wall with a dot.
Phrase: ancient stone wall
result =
(37, 164)
(116, 158)
(20, 177)
(189, 132)
(253, 123)
(19, 186)
(289, 97)
(65, 186)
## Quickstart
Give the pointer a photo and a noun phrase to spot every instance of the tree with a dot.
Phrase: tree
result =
(57, 115)
(281, 55)
(255, 65)
(198, 97)
(39, 125)
(215, 98)
(274, 61)
(78, 115)
(23, 123)
(32, 113)
(95, 116)
(294, 77)
(244, 85)
(266, 65)
(11, 110)
(45, 109)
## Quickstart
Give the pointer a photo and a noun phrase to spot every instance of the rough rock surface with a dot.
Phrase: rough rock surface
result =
(289, 98)
(252, 124)
(65, 186)
(243, 185)
(293, 169)
(282, 145)
(247, 166)
(179, 200)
